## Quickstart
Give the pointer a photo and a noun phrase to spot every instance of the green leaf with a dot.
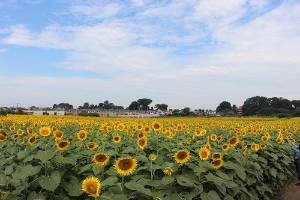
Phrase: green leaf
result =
(87, 167)
(273, 172)
(50, 182)
(212, 194)
(128, 150)
(96, 169)
(137, 187)
(2, 179)
(44, 156)
(26, 171)
(216, 180)
(222, 189)
(30, 158)
(167, 180)
(22, 154)
(66, 160)
(109, 181)
(36, 196)
(223, 175)
(228, 197)
(239, 169)
(111, 171)
(73, 186)
(182, 180)
(142, 158)
(8, 170)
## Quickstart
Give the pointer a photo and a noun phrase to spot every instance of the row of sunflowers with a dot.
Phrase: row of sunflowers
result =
(67, 157)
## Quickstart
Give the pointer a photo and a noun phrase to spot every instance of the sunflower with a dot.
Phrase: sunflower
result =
(16, 136)
(45, 131)
(2, 137)
(24, 140)
(208, 146)
(233, 141)
(63, 145)
(12, 128)
(217, 164)
(101, 159)
(29, 130)
(179, 127)
(20, 132)
(139, 127)
(225, 147)
(182, 156)
(91, 186)
(203, 132)
(142, 134)
(92, 145)
(245, 150)
(213, 137)
(253, 146)
(156, 126)
(116, 138)
(263, 146)
(57, 140)
(58, 134)
(142, 142)
(147, 129)
(82, 135)
(32, 140)
(168, 171)
(204, 153)
(3, 133)
(120, 127)
(216, 156)
(125, 166)
(152, 157)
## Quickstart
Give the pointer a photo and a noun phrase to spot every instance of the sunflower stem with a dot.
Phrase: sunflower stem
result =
(122, 184)
(102, 173)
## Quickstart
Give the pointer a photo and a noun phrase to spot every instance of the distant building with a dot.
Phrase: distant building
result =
(240, 111)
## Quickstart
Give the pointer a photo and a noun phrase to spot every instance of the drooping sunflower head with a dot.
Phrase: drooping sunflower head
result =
(142, 142)
(204, 153)
(92, 145)
(208, 146)
(3, 133)
(216, 156)
(45, 131)
(217, 164)
(82, 135)
(245, 150)
(101, 159)
(233, 141)
(168, 171)
(29, 130)
(16, 136)
(32, 140)
(2, 137)
(225, 147)
(116, 138)
(263, 146)
(126, 166)
(63, 145)
(182, 156)
(91, 186)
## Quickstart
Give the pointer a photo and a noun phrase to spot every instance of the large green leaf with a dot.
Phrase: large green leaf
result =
(22, 154)
(50, 182)
(239, 169)
(44, 156)
(273, 172)
(96, 169)
(111, 180)
(182, 180)
(212, 194)
(87, 167)
(216, 180)
(66, 160)
(138, 187)
(167, 180)
(34, 196)
(2, 180)
(26, 171)
(73, 186)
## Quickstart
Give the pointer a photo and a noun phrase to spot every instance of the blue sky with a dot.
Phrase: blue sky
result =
(184, 53)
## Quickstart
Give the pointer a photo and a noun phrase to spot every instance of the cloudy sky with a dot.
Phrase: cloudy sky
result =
(184, 53)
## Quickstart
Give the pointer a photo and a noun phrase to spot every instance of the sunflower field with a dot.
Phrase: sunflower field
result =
(68, 157)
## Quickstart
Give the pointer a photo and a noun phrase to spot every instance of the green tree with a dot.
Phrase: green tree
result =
(295, 103)
(224, 106)
(296, 112)
(134, 105)
(161, 106)
(86, 105)
(254, 104)
(144, 103)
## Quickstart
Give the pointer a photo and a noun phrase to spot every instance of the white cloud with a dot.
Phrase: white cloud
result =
(3, 50)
